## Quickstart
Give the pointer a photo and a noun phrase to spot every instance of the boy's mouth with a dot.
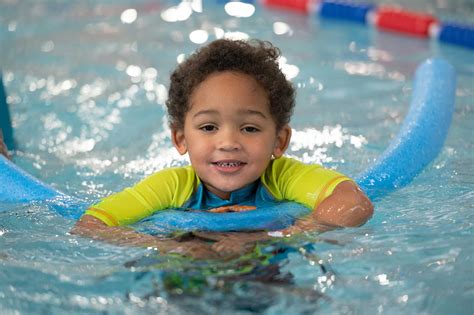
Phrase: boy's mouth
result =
(228, 164)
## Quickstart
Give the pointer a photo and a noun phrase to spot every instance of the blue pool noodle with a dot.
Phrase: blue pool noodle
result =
(271, 217)
(422, 133)
(419, 141)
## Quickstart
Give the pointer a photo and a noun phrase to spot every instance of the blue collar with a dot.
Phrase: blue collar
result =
(203, 199)
(243, 194)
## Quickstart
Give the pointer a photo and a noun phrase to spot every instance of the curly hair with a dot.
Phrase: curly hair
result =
(256, 58)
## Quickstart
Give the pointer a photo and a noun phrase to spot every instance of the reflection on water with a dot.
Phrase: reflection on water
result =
(178, 13)
(128, 16)
(239, 9)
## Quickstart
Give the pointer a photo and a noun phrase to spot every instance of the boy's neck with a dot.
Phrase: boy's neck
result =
(236, 195)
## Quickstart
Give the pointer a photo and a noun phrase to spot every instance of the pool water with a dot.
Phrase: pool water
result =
(86, 84)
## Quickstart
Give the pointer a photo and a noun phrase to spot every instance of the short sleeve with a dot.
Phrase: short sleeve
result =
(169, 188)
(308, 184)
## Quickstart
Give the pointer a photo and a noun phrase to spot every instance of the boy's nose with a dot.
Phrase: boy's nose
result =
(229, 140)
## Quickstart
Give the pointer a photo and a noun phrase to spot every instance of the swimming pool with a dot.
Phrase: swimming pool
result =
(86, 91)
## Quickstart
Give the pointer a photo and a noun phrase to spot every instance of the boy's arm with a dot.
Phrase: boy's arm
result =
(347, 206)
(94, 228)
(336, 200)
(91, 227)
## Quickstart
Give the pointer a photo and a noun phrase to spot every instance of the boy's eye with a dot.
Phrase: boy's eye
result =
(250, 129)
(208, 128)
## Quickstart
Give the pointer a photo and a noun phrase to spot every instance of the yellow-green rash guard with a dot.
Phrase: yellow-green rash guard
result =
(284, 179)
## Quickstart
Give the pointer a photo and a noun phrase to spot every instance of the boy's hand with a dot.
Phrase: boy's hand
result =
(232, 244)
(196, 249)
(306, 224)
(94, 228)
(245, 237)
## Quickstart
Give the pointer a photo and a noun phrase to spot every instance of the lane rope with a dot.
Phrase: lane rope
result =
(383, 17)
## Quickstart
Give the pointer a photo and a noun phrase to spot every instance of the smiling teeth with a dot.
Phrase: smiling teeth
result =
(228, 164)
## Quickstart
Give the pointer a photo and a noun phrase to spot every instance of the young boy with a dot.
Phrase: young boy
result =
(229, 107)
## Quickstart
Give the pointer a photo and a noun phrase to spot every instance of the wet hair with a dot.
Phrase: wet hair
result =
(256, 58)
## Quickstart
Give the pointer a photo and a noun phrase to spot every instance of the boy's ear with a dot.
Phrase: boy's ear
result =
(282, 142)
(179, 142)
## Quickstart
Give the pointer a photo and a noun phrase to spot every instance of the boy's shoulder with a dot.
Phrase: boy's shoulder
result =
(184, 175)
(187, 169)
(288, 164)
(286, 171)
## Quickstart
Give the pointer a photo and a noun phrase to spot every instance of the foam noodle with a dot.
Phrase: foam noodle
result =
(419, 141)
(422, 133)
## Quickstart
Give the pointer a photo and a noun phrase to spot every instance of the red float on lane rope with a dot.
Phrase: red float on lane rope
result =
(408, 22)
(304, 6)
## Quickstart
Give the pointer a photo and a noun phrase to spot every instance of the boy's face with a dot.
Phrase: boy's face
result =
(229, 132)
